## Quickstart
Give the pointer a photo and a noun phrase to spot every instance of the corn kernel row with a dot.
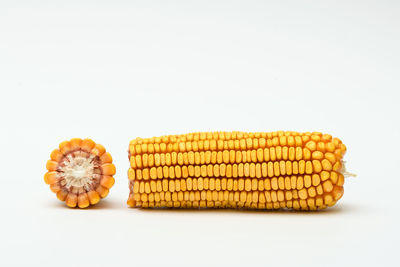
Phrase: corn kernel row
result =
(231, 156)
(306, 205)
(259, 170)
(241, 199)
(243, 196)
(282, 183)
(235, 135)
(313, 142)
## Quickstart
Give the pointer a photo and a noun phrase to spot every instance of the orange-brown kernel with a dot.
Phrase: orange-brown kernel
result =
(338, 166)
(317, 155)
(327, 185)
(303, 193)
(107, 181)
(337, 192)
(309, 167)
(94, 197)
(328, 200)
(98, 150)
(311, 145)
(106, 158)
(330, 147)
(51, 165)
(324, 175)
(340, 180)
(62, 194)
(83, 201)
(326, 165)
(51, 177)
(103, 192)
(56, 155)
(331, 157)
(321, 147)
(307, 181)
(71, 200)
(338, 153)
(131, 174)
(317, 166)
(334, 177)
(326, 137)
(306, 154)
(315, 179)
(55, 188)
(108, 169)
(65, 147)
(343, 148)
(300, 183)
(75, 143)
(336, 141)
(320, 190)
(87, 144)
(311, 192)
(131, 201)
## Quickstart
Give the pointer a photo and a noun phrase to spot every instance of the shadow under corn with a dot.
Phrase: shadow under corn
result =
(111, 204)
(338, 209)
(104, 204)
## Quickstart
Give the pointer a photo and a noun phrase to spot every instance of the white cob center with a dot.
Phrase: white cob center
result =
(78, 171)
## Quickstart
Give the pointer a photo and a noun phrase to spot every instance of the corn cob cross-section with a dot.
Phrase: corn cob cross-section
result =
(80, 172)
(237, 170)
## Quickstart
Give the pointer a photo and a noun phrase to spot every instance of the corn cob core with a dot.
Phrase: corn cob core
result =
(236, 170)
(80, 172)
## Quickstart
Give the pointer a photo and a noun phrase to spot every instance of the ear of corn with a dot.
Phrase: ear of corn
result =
(80, 172)
(236, 170)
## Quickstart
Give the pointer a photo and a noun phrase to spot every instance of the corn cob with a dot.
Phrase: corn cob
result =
(80, 172)
(301, 171)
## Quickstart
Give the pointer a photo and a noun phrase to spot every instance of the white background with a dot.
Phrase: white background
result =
(116, 70)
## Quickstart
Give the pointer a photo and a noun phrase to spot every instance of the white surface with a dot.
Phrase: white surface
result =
(115, 70)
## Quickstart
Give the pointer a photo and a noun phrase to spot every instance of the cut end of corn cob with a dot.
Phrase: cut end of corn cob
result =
(80, 172)
(301, 171)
